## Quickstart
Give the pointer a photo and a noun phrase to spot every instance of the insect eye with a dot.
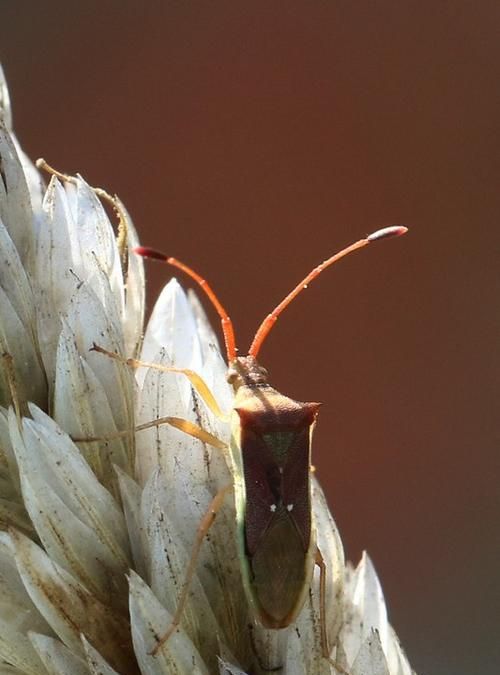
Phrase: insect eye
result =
(231, 376)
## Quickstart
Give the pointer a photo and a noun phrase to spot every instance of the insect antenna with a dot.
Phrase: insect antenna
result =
(227, 324)
(270, 320)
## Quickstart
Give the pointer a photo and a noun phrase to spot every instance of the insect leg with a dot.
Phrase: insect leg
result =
(203, 528)
(183, 425)
(197, 382)
(320, 562)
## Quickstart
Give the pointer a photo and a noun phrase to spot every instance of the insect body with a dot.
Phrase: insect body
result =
(271, 442)
(271, 459)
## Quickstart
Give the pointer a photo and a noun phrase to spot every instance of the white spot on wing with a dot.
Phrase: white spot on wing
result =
(289, 507)
(273, 507)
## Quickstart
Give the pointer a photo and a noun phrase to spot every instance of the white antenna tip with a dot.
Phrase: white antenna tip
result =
(386, 232)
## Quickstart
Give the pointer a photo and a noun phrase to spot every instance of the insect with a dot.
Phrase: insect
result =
(271, 464)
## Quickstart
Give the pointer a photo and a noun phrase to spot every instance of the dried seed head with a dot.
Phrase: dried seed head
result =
(96, 536)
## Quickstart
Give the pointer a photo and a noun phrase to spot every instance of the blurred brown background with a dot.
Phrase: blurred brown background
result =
(253, 139)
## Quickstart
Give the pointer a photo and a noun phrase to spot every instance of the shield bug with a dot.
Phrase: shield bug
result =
(270, 455)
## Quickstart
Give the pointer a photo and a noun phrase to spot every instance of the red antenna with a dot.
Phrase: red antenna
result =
(270, 320)
(227, 324)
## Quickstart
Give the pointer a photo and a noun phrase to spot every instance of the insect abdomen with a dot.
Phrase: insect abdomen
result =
(279, 569)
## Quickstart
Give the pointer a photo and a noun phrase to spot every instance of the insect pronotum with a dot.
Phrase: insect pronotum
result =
(271, 460)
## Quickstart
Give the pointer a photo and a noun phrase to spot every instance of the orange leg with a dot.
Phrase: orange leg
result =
(197, 382)
(203, 528)
(325, 648)
(186, 426)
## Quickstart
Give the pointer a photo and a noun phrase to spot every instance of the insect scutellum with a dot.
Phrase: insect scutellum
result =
(271, 459)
